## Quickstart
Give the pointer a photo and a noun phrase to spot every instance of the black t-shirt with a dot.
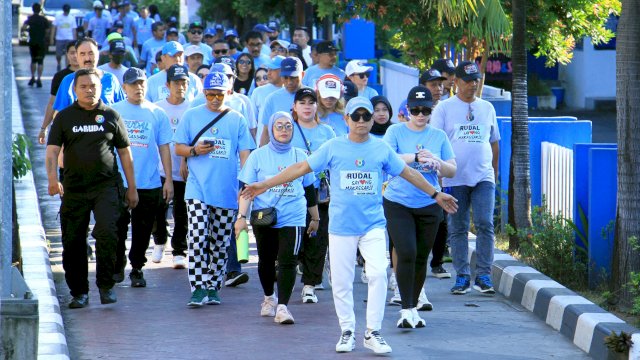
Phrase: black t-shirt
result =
(242, 86)
(90, 138)
(38, 26)
(57, 79)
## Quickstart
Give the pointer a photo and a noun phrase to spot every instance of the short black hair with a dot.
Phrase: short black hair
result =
(159, 56)
(84, 40)
(85, 72)
(36, 7)
(156, 25)
(253, 35)
(220, 41)
(70, 45)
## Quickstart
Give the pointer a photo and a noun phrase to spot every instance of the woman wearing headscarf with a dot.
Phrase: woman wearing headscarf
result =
(292, 200)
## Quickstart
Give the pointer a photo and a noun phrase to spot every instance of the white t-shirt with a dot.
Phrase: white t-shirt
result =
(174, 113)
(306, 54)
(64, 26)
(471, 128)
(118, 73)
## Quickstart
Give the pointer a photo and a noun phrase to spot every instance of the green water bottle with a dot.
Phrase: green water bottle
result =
(242, 246)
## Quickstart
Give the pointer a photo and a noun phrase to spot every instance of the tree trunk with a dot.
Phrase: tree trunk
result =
(625, 258)
(519, 216)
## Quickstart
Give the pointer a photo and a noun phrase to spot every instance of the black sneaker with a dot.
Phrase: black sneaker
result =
(80, 301)
(39, 83)
(440, 272)
(484, 285)
(137, 278)
(236, 278)
(31, 82)
(107, 296)
(118, 277)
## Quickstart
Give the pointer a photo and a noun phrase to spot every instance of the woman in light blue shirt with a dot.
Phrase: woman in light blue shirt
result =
(281, 241)
(331, 103)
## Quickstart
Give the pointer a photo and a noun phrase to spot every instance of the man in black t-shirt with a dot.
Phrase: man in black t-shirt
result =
(38, 26)
(90, 132)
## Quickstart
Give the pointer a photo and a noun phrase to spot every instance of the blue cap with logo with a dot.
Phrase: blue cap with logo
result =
(177, 72)
(291, 66)
(210, 32)
(222, 68)
(219, 27)
(133, 74)
(171, 48)
(228, 60)
(216, 81)
(358, 102)
(275, 63)
(231, 32)
(262, 28)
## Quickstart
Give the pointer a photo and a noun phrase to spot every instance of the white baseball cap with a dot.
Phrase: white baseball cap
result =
(329, 85)
(357, 67)
(193, 49)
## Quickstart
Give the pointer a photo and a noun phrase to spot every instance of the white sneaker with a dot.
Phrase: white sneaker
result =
(363, 276)
(374, 341)
(179, 262)
(395, 299)
(393, 283)
(299, 269)
(283, 316)
(417, 320)
(423, 303)
(406, 319)
(309, 295)
(269, 306)
(158, 253)
(347, 342)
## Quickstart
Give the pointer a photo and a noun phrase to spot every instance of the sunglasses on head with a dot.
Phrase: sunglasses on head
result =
(211, 96)
(285, 127)
(244, 62)
(416, 111)
(195, 32)
(363, 75)
(365, 116)
(220, 51)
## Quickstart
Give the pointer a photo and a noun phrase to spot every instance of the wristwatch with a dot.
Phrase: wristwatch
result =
(193, 151)
(416, 158)
(435, 194)
(240, 216)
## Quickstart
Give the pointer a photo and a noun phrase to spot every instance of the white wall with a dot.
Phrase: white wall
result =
(591, 74)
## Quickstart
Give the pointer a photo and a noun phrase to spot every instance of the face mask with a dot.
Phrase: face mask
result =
(117, 58)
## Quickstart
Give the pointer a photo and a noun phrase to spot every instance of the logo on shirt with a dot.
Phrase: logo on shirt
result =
(359, 162)
(214, 131)
(173, 121)
(99, 119)
(280, 167)
(87, 128)
(419, 147)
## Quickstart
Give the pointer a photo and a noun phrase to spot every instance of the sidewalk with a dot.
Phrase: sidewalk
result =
(155, 323)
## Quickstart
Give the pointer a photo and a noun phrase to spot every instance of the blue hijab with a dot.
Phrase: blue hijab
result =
(274, 144)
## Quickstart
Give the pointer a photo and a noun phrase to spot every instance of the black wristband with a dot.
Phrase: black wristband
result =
(416, 158)
(435, 194)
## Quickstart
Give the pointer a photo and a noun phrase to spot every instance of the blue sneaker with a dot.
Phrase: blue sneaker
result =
(463, 282)
(484, 285)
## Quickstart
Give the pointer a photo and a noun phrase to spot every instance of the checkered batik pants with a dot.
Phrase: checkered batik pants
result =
(209, 234)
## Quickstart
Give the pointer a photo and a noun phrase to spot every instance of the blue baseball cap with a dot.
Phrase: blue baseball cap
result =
(219, 27)
(275, 63)
(171, 48)
(132, 75)
(210, 32)
(216, 81)
(358, 102)
(230, 32)
(291, 66)
(262, 28)
(222, 68)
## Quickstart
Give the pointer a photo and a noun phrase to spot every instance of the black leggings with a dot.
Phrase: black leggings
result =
(280, 244)
(440, 244)
(413, 232)
(314, 250)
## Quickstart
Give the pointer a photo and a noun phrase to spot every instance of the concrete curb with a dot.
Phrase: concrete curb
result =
(52, 342)
(580, 320)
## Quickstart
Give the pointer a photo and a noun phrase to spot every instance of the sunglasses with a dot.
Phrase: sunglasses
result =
(418, 110)
(220, 51)
(202, 75)
(285, 127)
(244, 62)
(195, 32)
(364, 116)
(363, 75)
(211, 96)
(262, 78)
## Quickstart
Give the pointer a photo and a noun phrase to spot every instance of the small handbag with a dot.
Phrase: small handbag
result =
(267, 216)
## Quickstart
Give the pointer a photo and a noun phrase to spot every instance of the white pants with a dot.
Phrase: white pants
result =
(342, 252)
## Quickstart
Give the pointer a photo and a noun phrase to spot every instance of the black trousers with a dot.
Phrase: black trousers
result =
(75, 213)
(179, 236)
(440, 244)
(314, 250)
(280, 244)
(413, 232)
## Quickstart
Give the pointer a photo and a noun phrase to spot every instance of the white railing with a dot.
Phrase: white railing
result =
(557, 179)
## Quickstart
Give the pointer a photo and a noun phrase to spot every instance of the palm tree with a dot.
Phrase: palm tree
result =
(519, 215)
(626, 258)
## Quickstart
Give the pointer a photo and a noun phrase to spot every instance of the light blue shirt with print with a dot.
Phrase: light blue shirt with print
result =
(406, 141)
(356, 176)
(143, 29)
(313, 73)
(263, 164)
(127, 21)
(315, 138)
(279, 100)
(157, 87)
(236, 102)
(111, 91)
(148, 129)
(149, 50)
(260, 60)
(213, 177)
(337, 123)
(368, 93)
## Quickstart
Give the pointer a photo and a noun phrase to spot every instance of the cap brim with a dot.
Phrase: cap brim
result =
(179, 77)
(221, 88)
(290, 73)
(415, 103)
(476, 76)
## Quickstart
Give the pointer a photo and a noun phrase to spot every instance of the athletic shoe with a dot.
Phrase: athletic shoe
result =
(283, 316)
(137, 278)
(198, 297)
(462, 285)
(406, 320)
(107, 296)
(39, 83)
(484, 285)
(269, 306)
(396, 299)
(440, 272)
(299, 269)
(417, 320)
(347, 342)
(363, 276)
(374, 341)
(31, 82)
(179, 262)
(80, 301)
(318, 287)
(158, 253)
(423, 303)
(213, 297)
(309, 295)
(236, 278)
(393, 283)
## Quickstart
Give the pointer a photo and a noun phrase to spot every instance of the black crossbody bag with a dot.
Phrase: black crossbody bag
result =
(268, 216)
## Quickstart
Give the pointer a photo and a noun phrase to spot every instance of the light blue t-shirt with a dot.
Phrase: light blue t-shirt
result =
(406, 141)
(213, 177)
(157, 87)
(260, 94)
(313, 73)
(143, 29)
(111, 91)
(237, 102)
(368, 93)
(148, 128)
(315, 138)
(279, 100)
(356, 174)
(260, 60)
(127, 21)
(149, 50)
(98, 27)
(337, 123)
(264, 163)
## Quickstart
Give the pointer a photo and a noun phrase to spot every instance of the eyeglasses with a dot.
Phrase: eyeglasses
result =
(363, 75)
(243, 62)
(262, 78)
(285, 127)
(418, 110)
(364, 116)
(470, 116)
(278, 49)
(202, 75)
(195, 32)
(211, 96)
(220, 51)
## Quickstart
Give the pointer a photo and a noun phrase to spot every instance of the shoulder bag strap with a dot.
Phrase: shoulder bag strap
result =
(209, 125)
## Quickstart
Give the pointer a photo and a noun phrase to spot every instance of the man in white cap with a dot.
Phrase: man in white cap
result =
(279, 47)
(358, 72)
(172, 53)
(194, 56)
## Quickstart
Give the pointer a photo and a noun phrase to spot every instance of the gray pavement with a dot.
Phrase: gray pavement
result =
(154, 322)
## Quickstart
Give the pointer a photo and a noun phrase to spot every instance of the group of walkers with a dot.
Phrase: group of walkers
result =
(303, 151)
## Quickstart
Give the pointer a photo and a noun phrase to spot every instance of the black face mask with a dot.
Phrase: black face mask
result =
(117, 58)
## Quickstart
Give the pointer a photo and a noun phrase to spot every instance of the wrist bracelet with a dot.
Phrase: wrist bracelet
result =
(435, 194)
(318, 220)
(43, 128)
(416, 158)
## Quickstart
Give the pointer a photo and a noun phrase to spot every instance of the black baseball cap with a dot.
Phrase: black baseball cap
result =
(468, 71)
(196, 24)
(326, 46)
(431, 75)
(172, 31)
(419, 96)
(117, 47)
(177, 72)
(444, 66)
(133, 74)
(305, 92)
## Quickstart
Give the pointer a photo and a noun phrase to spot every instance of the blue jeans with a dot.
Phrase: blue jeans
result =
(482, 199)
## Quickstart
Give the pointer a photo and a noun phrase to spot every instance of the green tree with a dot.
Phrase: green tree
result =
(167, 8)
